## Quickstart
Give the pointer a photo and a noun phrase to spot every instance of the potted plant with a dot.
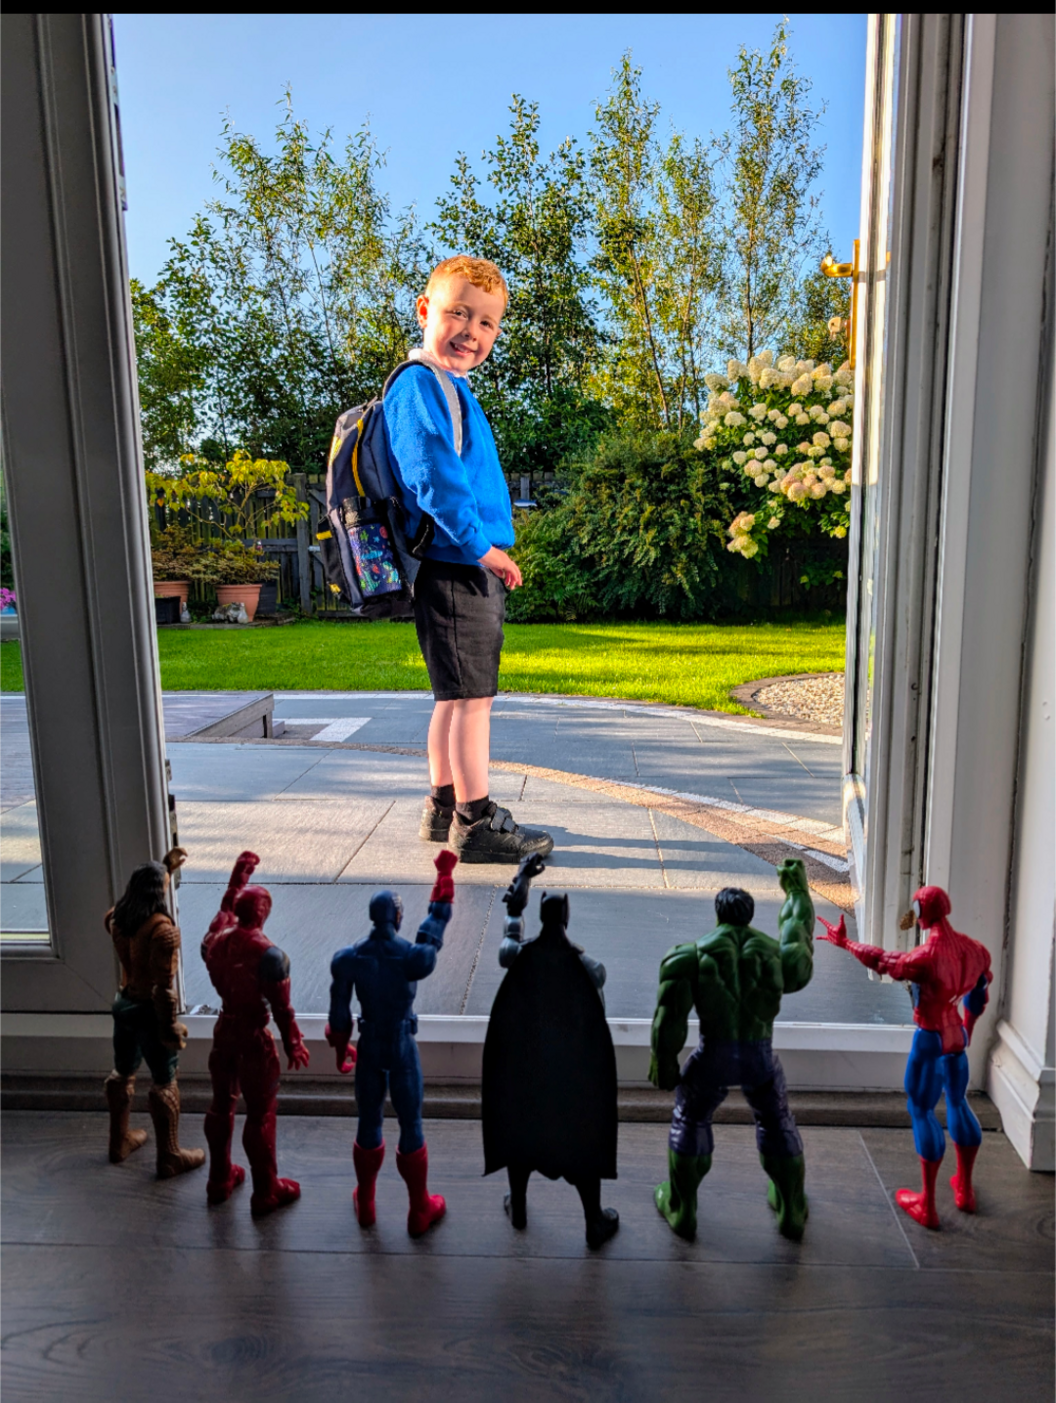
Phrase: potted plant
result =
(239, 573)
(225, 501)
(173, 554)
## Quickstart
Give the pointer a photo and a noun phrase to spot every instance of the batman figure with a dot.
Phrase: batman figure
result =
(549, 1081)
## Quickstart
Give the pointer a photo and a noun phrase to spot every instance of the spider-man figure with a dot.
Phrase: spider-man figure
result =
(949, 966)
(383, 970)
(249, 973)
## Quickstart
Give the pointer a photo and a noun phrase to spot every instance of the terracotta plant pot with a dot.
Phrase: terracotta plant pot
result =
(165, 589)
(249, 595)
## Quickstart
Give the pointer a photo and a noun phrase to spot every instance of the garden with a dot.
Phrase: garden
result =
(670, 395)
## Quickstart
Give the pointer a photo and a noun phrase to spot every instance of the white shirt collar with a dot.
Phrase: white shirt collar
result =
(417, 353)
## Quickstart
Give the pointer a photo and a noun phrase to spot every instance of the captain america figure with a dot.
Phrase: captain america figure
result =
(383, 970)
(948, 967)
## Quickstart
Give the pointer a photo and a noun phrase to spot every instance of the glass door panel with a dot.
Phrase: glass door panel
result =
(867, 487)
(23, 909)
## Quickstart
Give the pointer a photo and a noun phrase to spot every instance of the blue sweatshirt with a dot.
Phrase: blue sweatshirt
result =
(467, 497)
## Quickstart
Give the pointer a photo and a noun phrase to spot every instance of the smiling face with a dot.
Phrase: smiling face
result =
(460, 322)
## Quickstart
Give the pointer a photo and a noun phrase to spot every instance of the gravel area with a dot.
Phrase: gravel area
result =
(813, 699)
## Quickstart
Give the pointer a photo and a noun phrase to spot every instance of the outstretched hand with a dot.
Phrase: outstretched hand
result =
(174, 859)
(444, 886)
(835, 935)
(297, 1055)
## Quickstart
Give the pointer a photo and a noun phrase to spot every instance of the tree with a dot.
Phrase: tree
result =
(771, 226)
(534, 227)
(659, 260)
(290, 299)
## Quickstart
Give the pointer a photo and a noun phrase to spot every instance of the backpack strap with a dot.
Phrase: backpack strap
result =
(418, 357)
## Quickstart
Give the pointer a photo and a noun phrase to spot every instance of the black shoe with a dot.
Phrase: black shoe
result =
(436, 821)
(601, 1229)
(497, 838)
(518, 1217)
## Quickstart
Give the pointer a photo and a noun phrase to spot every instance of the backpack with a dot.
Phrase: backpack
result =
(367, 556)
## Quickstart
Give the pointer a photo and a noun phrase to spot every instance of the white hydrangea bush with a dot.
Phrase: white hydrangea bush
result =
(786, 428)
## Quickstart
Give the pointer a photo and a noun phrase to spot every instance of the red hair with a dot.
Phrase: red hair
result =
(481, 272)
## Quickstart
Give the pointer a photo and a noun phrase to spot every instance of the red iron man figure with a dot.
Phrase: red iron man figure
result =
(249, 973)
(948, 967)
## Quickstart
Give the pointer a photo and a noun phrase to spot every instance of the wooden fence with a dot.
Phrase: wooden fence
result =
(301, 583)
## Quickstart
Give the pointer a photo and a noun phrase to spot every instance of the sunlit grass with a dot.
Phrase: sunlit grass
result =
(689, 664)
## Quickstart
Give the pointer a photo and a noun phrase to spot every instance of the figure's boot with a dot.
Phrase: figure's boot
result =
(123, 1141)
(785, 1193)
(602, 1223)
(676, 1198)
(961, 1183)
(165, 1113)
(224, 1177)
(921, 1207)
(269, 1191)
(515, 1203)
(367, 1163)
(425, 1208)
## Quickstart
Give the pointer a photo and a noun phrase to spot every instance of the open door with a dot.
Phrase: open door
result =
(901, 296)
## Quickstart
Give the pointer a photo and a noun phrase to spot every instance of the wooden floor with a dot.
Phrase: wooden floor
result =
(118, 1287)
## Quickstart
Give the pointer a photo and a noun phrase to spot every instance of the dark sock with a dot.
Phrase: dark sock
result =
(444, 794)
(474, 810)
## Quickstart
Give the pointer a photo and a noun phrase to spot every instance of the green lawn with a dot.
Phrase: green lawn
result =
(691, 664)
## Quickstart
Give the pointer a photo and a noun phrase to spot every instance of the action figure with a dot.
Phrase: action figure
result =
(249, 973)
(549, 1081)
(947, 967)
(735, 978)
(145, 1025)
(383, 971)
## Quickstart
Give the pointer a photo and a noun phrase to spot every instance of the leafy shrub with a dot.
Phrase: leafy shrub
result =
(640, 531)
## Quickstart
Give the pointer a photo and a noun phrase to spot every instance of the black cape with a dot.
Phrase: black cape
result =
(549, 1081)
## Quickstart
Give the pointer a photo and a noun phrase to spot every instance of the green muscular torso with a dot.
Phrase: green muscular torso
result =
(734, 977)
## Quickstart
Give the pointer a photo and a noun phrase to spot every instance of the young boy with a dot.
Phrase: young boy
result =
(460, 592)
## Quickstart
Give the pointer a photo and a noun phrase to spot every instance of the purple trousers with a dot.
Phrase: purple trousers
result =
(706, 1079)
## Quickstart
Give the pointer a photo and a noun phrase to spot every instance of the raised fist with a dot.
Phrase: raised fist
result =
(245, 865)
(835, 935)
(444, 886)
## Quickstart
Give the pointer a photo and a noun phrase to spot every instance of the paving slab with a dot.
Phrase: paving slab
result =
(295, 841)
(311, 923)
(23, 907)
(631, 931)
(612, 845)
(693, 860)
(19, 841)
(219, 771)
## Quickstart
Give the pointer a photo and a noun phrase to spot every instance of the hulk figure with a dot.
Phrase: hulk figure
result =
(734, 977)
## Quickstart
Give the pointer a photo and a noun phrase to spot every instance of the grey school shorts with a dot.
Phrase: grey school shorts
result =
(458, 613)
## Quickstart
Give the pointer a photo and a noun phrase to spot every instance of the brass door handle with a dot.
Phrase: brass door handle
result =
(832, 269)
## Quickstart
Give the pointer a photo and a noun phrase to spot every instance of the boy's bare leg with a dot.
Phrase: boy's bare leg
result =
(469, 747)
(460, 746)
(459, 756)
(439, 743)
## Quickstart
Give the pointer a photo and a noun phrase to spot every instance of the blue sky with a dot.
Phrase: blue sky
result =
(432, 85)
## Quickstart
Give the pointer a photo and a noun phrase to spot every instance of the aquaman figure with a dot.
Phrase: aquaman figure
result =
(734, 978)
